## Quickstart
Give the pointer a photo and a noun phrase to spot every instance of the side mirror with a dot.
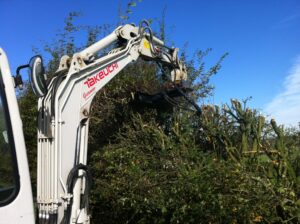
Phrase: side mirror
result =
(37, 76)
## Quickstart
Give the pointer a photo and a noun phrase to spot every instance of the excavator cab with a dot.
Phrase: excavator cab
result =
(16, 202)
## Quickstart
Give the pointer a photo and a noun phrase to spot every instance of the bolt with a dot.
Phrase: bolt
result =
(79, 60)
(85, 112)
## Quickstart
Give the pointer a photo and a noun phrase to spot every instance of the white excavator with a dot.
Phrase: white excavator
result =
(63, 177)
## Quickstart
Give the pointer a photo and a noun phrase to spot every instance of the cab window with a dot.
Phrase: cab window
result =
(8, 167)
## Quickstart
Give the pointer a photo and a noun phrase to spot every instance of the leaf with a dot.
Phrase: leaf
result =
(164, 210)
(150, 21)
(131, 4)
(263, 159)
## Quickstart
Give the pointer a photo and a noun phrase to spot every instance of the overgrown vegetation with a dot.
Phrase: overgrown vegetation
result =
(169, 165)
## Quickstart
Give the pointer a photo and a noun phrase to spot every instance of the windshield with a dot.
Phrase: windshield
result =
(8, 181)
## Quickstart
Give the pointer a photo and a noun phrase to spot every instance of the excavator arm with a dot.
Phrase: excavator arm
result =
(64, 106)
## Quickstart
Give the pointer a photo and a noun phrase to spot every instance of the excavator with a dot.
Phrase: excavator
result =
(64, 102)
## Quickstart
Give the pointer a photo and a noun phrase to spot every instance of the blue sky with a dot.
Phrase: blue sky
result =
(261, 37)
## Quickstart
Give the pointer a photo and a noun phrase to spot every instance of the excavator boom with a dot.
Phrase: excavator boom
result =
(64, 107)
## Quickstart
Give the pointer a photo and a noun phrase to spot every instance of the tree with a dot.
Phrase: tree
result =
(167, 164)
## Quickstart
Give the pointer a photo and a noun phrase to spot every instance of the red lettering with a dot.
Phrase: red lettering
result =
(87, 83)
(100, 75)
(110, 68)
(96, 78)
(115, 65)
(85, 95)
(106, 72)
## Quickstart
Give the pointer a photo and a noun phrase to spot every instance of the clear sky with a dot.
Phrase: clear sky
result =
(261, 37)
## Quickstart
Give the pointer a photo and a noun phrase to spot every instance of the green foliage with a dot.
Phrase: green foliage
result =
(148, 175)
(63, 44)
(125, 15)
(28, 110)
(167, 165)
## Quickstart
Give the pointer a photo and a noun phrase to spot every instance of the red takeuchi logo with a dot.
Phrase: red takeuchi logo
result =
(101, 75)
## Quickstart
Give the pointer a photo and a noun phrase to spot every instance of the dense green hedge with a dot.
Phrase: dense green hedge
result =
(146, 175)
(169, 165)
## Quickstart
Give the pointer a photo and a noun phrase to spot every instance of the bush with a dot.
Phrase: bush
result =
(167, 165)
(146, 175)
